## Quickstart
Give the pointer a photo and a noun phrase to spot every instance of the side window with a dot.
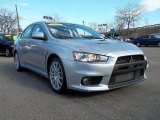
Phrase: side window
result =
(27, 32)
(38, 28)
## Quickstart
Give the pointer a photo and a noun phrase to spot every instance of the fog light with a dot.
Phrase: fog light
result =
(86, 81)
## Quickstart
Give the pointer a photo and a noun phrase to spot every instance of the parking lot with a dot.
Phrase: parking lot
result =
(28, 96)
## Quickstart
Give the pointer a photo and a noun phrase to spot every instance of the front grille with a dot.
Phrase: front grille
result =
(129, 59)
(128, 68)
(124, 77)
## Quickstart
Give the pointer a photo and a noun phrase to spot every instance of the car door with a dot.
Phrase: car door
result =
(38, 50)
(145, 40)
(24, 44)
(149, 41)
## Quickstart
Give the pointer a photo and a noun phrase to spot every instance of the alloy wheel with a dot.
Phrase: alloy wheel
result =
(56, 75)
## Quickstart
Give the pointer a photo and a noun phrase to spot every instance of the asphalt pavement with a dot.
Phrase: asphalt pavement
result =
(28, 96)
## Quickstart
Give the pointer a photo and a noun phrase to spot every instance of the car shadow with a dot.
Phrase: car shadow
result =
(79, 94)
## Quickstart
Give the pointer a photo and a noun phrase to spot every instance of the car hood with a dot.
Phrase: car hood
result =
(102, 46)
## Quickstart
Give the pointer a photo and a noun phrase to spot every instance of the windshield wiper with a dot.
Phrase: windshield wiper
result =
(65, 37)
(91, 37)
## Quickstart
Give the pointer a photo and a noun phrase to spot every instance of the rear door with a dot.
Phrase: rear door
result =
(24, 44)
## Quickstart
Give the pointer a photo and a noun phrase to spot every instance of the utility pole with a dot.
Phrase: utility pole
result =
(17, 19)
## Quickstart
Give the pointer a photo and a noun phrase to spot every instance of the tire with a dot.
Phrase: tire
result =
(138, 44)
(7, 52)
(57, 76)
(17, 62)
(158, 44)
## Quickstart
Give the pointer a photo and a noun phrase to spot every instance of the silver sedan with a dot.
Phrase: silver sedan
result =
(76, 57)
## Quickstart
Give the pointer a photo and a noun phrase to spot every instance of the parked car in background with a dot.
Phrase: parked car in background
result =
(6, 44)
(76, 57)
(147, 40)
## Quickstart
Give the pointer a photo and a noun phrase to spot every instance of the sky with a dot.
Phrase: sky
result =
(76, 11)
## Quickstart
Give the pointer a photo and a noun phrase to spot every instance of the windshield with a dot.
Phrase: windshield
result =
(69, 31)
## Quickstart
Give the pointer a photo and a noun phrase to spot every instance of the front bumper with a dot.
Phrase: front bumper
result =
(75, 71)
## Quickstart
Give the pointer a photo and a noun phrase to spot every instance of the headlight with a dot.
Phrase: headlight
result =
(89, 57)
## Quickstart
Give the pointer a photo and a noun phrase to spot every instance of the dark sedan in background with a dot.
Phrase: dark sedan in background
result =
(147, 40)
(6, 44)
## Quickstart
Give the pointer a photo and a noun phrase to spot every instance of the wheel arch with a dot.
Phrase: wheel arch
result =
(49, 59)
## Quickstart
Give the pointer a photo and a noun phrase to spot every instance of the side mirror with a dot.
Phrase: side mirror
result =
(39, 36)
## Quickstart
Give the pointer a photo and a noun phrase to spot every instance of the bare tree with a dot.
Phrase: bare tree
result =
(119, 26)
(7, 21)
(130, 15)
